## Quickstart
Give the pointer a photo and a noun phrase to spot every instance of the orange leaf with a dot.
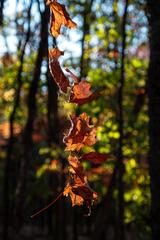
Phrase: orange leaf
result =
(79, 192)
(59, 17)
(95, 157)
(77, 167)
(77, 186)
(85, 192)
(56, 71)
(81, 92)
(75, 199)
(75, 79)
(80, 134)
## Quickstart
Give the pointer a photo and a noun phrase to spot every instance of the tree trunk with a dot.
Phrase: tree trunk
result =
(154, 114)
(86, 27)
(1, 12)
(27, 135)
(121, 232)
(11, 138)
(103, 215)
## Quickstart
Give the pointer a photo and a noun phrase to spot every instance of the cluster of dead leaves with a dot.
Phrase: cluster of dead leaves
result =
(82, 132)
(77, 186)
(80, 91)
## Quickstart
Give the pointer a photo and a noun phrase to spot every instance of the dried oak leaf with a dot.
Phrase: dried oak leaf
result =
(80, 134)
(59, 17)
(77, 167)
(94, 157)
(79, 192)
(56, 71)
(75, 199)
(81, 92)
(86, 193)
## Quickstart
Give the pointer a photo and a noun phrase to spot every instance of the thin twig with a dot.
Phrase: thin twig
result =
(48, 206)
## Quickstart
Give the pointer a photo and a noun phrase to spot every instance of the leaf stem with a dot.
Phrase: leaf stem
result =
(48, 206)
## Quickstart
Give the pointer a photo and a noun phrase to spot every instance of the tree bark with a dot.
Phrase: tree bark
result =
(103, 215)
(1, 11)
(27, 135)
(86, 27)
(6, 190)
(121, 231)
(154, 113)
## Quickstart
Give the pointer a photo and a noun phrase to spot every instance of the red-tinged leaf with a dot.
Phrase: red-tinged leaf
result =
(85, 192)
(56, 71)
(75, 79)
(79, 192)
(80, 134)
(77, 167)
(59, 17)
(94, 157)
(75, 199)
(81, 92)
(100, 171)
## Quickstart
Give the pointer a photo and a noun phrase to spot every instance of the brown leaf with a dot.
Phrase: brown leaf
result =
(59, 17)
(75, 199)
(79, 192)
(56, 71)
(95, 157)
(80, 134)
(81, 92)
(85, 192)
(77, 186)
(77, 167)
(75, 79)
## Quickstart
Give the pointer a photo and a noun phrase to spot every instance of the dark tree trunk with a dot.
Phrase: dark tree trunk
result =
(154, 113)
(56, 180)
(86, 28)
(53, 121)
(1, 11)
(102, 219)
(11, 138)
(27, 135)
(53, 129)
(121, 232)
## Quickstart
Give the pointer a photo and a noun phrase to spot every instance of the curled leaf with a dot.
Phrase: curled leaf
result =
(77, 167)
(75, 79)
(56, 71)
(79, 192)
(86, 193)
(59, 17)
(94, 157)
(80, 134)
(81, 91)
(75, 199)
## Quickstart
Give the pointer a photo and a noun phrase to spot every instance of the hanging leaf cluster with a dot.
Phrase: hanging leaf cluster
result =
(81, 133)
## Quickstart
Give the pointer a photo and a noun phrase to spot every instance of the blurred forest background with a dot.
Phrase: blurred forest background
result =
(111, 49)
